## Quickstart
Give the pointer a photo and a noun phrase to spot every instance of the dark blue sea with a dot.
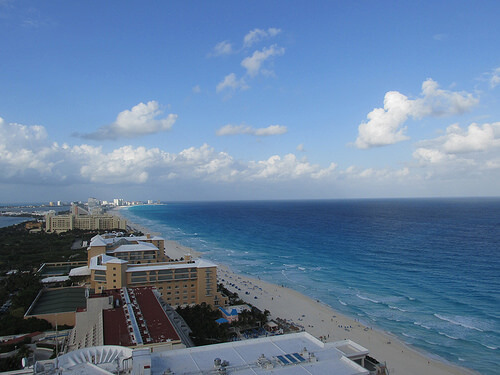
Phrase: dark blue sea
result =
(7, 221)
(427, 270)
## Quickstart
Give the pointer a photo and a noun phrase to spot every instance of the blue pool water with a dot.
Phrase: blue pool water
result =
(427, 270)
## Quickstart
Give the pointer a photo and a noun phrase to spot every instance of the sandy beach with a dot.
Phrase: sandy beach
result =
(322, 321)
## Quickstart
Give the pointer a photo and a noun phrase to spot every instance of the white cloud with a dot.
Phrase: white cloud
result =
(273, 31)
(383, 174)
(231, 82)
(256, 35)
(244, 129)
(287, 167)
(300, 147)
(427, 155)
(141, 120)
(197, 89)
(27, 156)
(471, 152)
(253, 64)
(494, 77)
(385, 125)
(438, 102)
(125, 164)
(222, 48)
(475, 138)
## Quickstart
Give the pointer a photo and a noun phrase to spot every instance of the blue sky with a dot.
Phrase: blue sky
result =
(248, 100)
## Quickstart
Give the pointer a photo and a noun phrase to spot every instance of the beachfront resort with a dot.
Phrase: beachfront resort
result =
(120, 317)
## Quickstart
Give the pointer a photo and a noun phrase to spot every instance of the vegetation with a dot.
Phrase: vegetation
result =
(205, 330)
(25, 252)
(202, 321)
(21, 250)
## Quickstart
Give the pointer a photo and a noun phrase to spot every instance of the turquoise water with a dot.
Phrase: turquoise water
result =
(427, 270)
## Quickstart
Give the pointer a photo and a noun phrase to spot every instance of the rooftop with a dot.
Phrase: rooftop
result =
(298, 353)
(52, 301)
(294, 354)
(139, 246)
(198, 263)
(136, 318)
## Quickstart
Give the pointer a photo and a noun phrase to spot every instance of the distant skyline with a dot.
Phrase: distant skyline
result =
(259, 100)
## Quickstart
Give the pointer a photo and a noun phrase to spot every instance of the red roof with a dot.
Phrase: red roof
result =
(159, 326)
(116, 331)
(154, 325)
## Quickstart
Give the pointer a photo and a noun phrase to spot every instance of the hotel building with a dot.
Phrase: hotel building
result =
(79, 218)
(115, 262)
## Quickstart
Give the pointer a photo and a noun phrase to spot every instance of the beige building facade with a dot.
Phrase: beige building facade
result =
(117, 262)
(79, 218)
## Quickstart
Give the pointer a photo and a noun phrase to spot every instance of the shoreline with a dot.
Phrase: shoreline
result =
(321, 320)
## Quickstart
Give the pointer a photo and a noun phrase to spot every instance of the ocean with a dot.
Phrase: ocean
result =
(426, 270)
(7, 221)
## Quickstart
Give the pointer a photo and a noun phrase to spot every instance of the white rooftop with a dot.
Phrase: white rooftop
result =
(104, 259)
(54, 279)
(245, 357)
(80, 271)
(140, 246)
(198, 263)
(110, 239)
(262, 356)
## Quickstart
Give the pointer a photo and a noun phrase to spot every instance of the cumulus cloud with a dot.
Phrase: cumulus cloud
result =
(461, 151)
(222, 48)
(141, 120)
(253, 64)
(197, 89)
(385, 125)
(287, 167)
(256, 35)
(231, 82)
(244, 129)
(430, 156)
(28, 156)
(475, 138)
